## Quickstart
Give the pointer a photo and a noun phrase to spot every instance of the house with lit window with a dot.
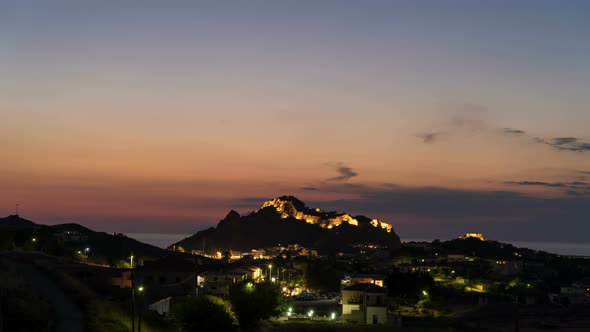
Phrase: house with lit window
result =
(218, 282)
(364, 303)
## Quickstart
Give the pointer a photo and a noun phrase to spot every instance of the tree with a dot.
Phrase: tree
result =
(322, 276)
(203, 313)
(254, 302)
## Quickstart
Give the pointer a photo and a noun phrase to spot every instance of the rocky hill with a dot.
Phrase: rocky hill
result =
(287, 220)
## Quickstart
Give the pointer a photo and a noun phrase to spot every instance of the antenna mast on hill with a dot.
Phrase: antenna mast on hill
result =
(17, 206)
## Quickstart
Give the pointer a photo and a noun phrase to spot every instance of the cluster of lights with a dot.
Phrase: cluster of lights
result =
(86, 250)
(310, 313)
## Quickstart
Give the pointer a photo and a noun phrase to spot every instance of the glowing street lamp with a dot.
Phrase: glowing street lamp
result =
(310, 314)
(333, 316)
(34, 240)
(269, 270)
(140, 290)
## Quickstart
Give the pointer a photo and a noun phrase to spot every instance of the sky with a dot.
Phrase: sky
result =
(440, 117)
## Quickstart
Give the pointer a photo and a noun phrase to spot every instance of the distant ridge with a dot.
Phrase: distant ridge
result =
(287, 220)
(14, 231)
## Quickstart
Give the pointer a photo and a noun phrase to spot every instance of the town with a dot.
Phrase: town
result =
(461, 284)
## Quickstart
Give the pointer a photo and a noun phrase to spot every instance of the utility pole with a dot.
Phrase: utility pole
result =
(139, 314)
(1, 318)
(132, 296)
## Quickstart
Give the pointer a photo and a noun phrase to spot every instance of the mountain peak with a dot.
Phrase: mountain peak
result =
(287, 220)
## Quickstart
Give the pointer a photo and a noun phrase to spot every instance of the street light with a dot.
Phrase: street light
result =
(269, 270)
(333, 316)
(310, 314)
(86, 250)
(140, 290)
(34, 239)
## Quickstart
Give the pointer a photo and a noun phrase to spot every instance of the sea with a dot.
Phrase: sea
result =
(560, 248)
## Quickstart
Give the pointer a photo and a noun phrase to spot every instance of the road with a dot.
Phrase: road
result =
(68, 315)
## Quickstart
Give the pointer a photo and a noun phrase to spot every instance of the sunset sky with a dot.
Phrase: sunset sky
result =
(441, 117)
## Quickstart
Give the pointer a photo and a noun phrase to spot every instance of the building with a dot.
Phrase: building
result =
(252, 272)
(70, 236)
(406, 268)
(364, 303)
(578, 292)
(455, 258)
(122, 280)
(375, 279)
(168, 276)
(474, 235)
(162, 307)
(507, 267)
(218, 282)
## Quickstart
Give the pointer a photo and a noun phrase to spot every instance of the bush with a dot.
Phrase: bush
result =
(203, 314)
(254, 302)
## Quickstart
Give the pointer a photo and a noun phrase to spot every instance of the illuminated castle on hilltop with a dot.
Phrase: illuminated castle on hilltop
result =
(475, 235)
(289, 206)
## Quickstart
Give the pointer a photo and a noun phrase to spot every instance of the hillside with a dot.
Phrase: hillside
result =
(286, 220)
(68, 239)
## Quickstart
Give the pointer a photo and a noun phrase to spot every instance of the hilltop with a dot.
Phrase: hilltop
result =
(287, 220)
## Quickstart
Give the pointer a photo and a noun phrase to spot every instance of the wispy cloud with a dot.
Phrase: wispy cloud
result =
(430, 137)
(470, 118)
(536, 183)
(467, 118)
(565, 144)
(345, 172)
(512, 131)
(310, 188)
(573, 188)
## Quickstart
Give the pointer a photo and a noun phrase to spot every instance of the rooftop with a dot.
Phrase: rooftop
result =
(367, 288)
